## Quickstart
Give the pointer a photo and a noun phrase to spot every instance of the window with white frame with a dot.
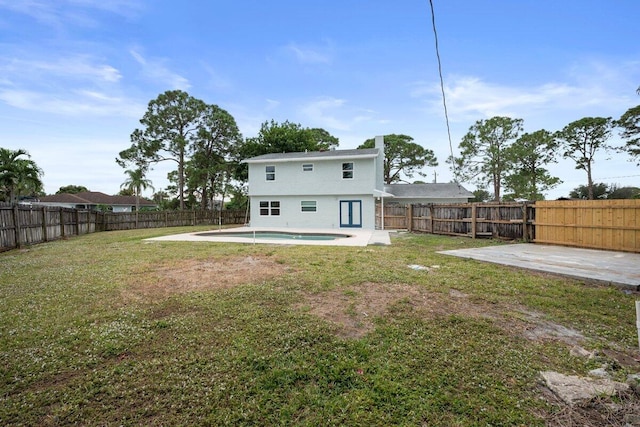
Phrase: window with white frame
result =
(269, 207)
(307, 167)
(347, 170)
(270, 173)
(308, 206)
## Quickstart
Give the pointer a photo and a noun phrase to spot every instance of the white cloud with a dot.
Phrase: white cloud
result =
(60, 13)
(74, 103)
(324, 112)
(154, 69)
(272, 104)
(67, 85)
(216, 80)
(69, 67)
(309, 55)
(593, 90)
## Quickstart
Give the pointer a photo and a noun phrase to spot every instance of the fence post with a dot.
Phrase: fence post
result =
(60, 209)
(474, 220)
(77, 215)
(525, 220)
(45, 236)
(410, 217)
(431, 218)
(16, 223)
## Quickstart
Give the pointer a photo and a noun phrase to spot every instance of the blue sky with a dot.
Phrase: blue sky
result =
(76, 75)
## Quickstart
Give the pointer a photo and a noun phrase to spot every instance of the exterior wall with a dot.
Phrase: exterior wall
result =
(327, 213)
(122, 209)
(325, 179)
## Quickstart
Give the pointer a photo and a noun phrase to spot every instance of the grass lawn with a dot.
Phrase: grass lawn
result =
(108, 329)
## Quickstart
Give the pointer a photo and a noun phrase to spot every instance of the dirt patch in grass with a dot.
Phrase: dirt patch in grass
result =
(162, 280)
(354, 309)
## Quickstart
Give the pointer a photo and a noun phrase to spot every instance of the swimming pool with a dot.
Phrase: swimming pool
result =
(275, 235)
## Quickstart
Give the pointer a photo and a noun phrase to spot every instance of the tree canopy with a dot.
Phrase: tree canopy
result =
(483, 152)
(604, 191)
(170, 125)
(287, 137)
(402, 157)
(136, 182)
(528, 156)
(200, 138)
(19, 175)
(630, 124)
(215, 156)
(582, 139)
(616, 192)
(72, 189)
(599, 190)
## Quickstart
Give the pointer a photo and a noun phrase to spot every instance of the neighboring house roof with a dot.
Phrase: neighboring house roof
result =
(428, 191)
(95, 198)
(314, 155)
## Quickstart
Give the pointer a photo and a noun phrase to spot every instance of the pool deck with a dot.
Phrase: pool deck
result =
(359, 237)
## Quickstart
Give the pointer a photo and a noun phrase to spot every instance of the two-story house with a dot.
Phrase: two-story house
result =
(323, 189)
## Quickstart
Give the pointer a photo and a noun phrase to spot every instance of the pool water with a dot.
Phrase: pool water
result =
(280, 235)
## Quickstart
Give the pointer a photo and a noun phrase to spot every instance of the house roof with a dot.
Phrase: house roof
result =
(428, 191)
(314, 155)
(95, 198)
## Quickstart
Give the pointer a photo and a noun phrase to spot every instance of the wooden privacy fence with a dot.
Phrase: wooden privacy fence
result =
(596, 224)
(159, 219)
(28, 225)
(501, 221)
(24, 225)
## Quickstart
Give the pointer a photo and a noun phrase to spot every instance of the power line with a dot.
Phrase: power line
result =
(617, 177)
(444, 99)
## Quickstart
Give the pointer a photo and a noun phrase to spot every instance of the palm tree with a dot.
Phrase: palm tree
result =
(136, 182)
(18, 175)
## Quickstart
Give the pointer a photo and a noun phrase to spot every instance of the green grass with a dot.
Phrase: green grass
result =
(75, 349)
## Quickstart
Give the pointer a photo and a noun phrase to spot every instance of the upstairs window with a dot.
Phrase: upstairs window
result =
(270, 173)
(347, 170)
(307, 167)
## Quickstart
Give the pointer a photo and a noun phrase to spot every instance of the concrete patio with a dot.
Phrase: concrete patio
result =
(608, 267)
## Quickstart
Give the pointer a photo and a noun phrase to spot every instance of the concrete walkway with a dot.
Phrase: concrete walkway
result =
(616, 268)
(357, 237)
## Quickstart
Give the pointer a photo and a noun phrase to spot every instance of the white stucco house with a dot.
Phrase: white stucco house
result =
(332, 189)
(322, 189)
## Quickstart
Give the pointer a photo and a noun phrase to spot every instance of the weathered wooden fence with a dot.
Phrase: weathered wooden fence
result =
(23, 225)
(159, 219)
(28, 225)
(598, 224)
(500, 221)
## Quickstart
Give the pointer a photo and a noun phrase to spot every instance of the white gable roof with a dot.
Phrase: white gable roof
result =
(428, 191)
(365, 153)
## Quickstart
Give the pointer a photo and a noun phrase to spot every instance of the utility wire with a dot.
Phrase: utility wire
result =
(444, 99)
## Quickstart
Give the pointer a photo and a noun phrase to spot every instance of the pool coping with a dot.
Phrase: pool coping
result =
(359, 237)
